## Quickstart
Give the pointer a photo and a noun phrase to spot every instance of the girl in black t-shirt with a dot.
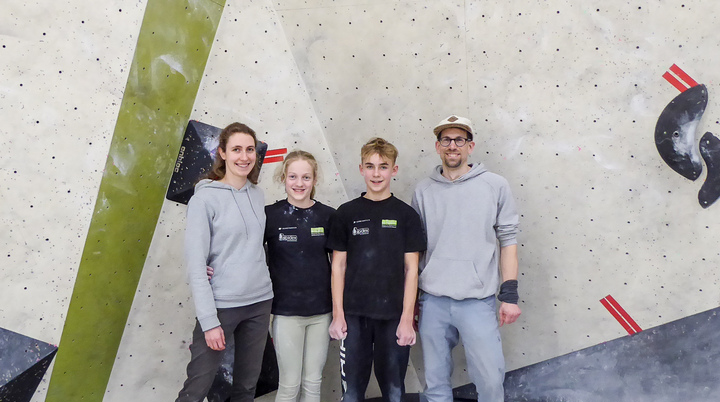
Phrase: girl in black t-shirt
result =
(295, 235)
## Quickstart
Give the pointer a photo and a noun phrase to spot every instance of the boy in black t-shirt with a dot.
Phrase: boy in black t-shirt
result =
(376, 240)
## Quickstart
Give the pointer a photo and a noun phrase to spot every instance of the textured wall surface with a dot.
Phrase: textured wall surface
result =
(564, 96)
(63, 69)
(173, 46)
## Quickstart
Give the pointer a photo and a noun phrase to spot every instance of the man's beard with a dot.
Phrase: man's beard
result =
(453, 165)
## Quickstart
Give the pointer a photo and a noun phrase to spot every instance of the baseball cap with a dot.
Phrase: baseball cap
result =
(454, 121)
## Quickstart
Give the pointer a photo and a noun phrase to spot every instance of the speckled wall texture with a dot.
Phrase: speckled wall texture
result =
(63, 69)
(564, 96)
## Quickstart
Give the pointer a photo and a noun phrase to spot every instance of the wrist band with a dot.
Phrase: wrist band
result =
(509, 292)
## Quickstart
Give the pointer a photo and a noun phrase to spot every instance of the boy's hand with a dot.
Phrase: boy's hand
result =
(338, 328)
(508, 313)
(405, 334)
(215, 338)
(210, 272)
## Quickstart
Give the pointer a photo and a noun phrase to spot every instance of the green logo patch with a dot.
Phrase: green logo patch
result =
(389, 223)
(317, 231)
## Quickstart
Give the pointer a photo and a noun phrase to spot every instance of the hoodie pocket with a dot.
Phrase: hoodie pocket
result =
(448, 276)
(239, 281)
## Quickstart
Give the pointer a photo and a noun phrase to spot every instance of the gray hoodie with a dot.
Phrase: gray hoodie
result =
(465, 221)
(225, 229)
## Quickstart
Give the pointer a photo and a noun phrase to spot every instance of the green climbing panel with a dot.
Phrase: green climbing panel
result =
(172, 51)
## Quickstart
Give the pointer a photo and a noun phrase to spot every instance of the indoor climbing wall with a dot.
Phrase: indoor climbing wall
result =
(568, 100)
(63, 78)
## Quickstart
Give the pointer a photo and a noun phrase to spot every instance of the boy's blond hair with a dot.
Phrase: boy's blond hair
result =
(381, 147)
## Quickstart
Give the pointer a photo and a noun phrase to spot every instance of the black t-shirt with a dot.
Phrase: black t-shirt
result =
(297, 258)
(376, 235)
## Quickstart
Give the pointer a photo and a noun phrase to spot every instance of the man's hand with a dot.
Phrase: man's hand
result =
(508, 313)
(210, 271)
(405, 333)
(215, 338)
(338, 328)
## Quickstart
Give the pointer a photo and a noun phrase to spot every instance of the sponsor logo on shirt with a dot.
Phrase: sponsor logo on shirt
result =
(389, 223)
(360, 231)
(317, 231)
(288, 238)
(361, 221)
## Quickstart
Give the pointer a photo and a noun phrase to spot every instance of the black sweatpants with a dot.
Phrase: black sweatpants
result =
(249, 327)
(370, 340)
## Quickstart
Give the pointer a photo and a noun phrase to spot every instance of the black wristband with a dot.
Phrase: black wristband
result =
(509, 292)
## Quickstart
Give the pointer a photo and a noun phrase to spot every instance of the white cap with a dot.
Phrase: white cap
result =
(454, 121)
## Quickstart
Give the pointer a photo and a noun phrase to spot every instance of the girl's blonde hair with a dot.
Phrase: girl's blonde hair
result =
(281, 172)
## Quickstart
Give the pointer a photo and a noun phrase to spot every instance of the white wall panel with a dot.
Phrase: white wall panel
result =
(63, 69)
(391, 69)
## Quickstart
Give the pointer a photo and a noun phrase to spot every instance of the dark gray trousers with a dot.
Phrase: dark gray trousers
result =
(248, 325)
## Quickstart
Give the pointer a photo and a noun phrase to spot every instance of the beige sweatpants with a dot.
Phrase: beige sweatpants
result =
(301, 346)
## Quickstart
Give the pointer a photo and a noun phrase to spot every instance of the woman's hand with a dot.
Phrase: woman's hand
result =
(215, 338)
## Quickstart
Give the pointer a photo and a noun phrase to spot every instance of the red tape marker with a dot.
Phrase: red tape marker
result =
(675, 82)
(682, 82)
(623, 313)
(620, 315)
(272, 159)
(274, 152)
(617, 316)
(683, 76)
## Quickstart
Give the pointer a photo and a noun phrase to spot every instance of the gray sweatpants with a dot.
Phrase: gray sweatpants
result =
(249, 327)
(442, 321)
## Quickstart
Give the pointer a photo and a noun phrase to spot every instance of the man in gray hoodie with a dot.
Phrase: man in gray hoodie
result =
(471, 223)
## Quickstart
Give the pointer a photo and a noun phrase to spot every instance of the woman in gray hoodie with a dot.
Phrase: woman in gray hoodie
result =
(225, 227)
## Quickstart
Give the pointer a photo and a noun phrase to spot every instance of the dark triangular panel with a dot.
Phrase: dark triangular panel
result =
(677, 361)
(23, 363)
(195, 159)
(269, 375)
(23, 387)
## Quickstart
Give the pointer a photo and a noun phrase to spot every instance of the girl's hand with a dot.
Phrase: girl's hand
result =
(338, 328)
(215, 338)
